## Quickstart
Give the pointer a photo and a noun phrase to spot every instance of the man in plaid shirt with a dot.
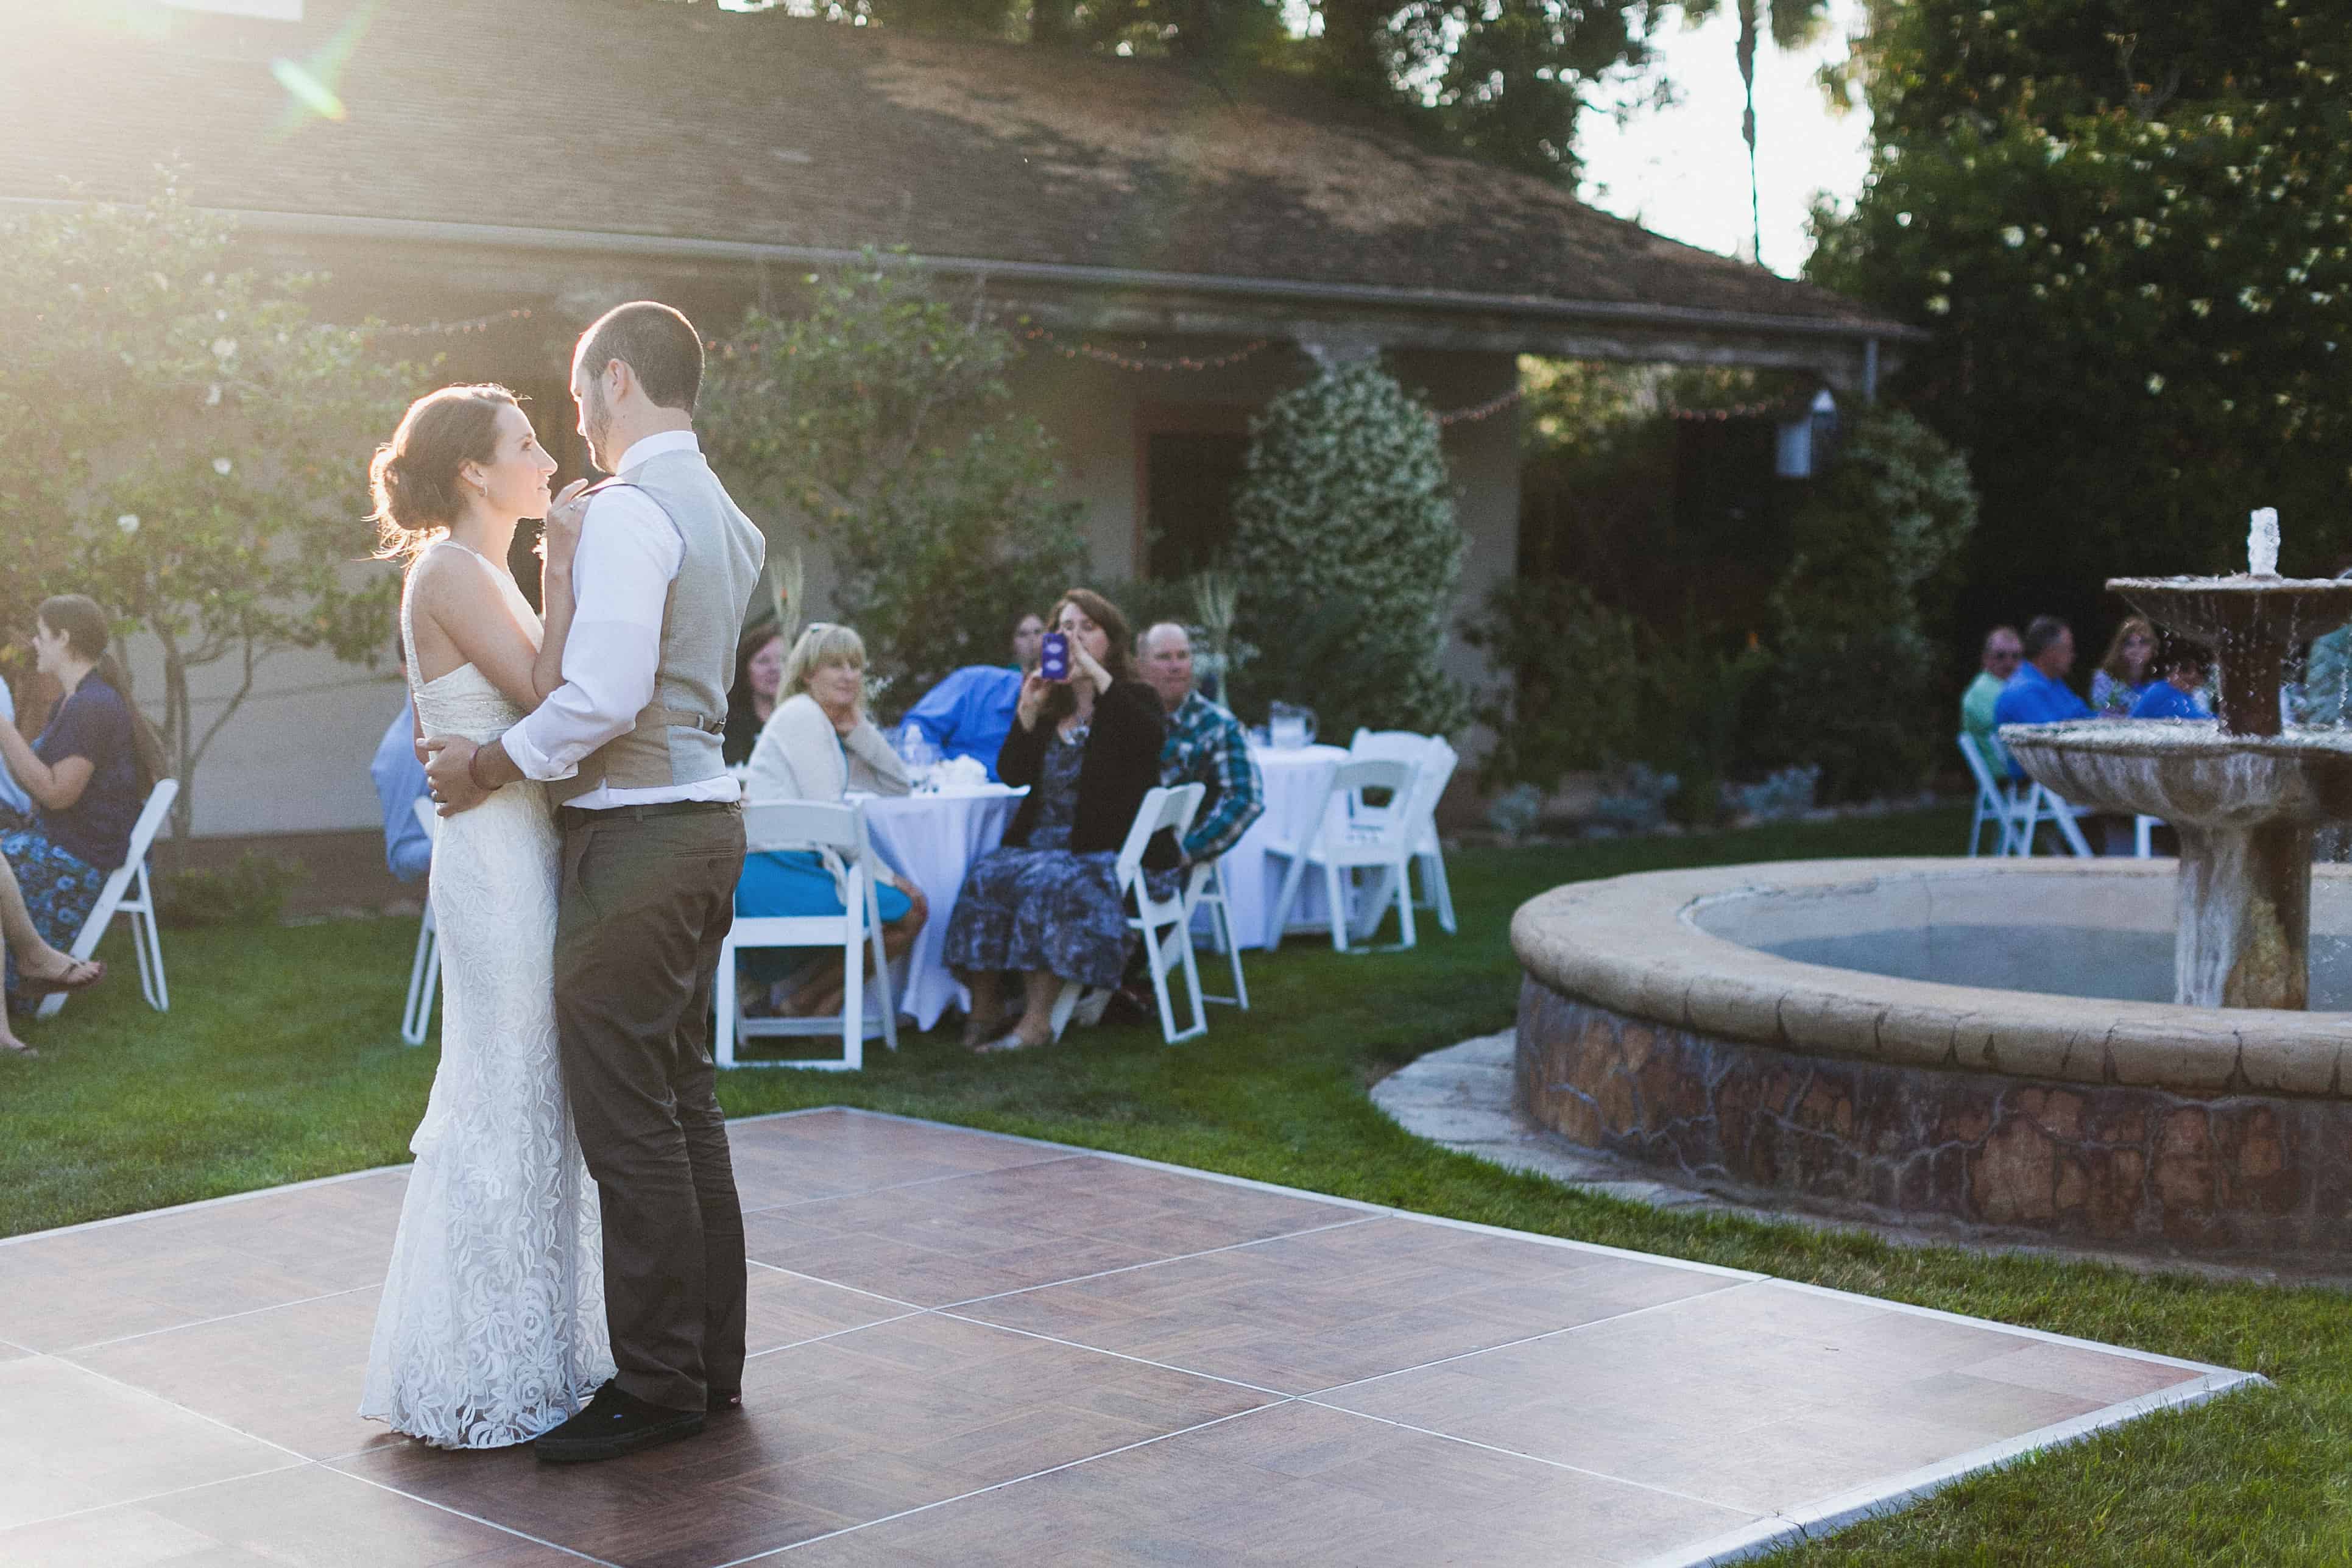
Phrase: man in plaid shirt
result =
(1205, 745)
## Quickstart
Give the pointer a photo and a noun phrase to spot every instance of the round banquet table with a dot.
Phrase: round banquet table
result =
(930, 840)
(1295, 780)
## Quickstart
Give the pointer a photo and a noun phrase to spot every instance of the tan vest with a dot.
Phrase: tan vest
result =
(675, 738)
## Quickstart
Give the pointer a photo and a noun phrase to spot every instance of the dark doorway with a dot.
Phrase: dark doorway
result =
(1189, 500)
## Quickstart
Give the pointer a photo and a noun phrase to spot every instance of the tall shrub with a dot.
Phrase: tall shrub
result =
(2127, 225)
(185, 444)
(1856, 688)
(876, 423)
(1348, 556)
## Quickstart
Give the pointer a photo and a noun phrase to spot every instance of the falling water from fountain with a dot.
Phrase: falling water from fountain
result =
(2243, 791)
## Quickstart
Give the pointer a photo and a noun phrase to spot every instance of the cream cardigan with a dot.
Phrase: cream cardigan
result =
(800, 757)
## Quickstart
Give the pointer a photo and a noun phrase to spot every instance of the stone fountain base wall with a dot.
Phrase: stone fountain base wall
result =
(1657, 1024)
(2108, 1164)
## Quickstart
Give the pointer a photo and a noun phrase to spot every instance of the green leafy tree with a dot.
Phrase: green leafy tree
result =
(1348, 556)
(2127, 225)
(1856, 688)
(185, 444)
(877, 423)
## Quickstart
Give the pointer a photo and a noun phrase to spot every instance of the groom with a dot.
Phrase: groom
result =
(653, 841)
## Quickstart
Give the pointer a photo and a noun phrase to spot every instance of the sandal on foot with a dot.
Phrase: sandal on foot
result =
(980, 1034)
(80, 974)
(17, 1048)
(1011, 1040)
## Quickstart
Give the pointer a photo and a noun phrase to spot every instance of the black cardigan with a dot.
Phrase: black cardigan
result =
(1121, 766)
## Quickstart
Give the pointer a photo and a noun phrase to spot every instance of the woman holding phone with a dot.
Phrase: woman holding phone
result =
(1086, 740)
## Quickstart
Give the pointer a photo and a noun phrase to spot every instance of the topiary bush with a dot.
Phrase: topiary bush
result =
(1348, 557)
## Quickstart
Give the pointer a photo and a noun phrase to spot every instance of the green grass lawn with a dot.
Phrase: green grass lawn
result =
(281, 1061)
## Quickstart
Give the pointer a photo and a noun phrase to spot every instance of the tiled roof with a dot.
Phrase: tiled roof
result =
(655, 118)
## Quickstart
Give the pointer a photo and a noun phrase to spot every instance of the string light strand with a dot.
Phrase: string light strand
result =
(1136, 363)
(448, 329)
(1479, 410)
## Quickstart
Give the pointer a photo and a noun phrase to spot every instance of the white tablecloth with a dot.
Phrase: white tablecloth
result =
(1296, 780)
(930, 840)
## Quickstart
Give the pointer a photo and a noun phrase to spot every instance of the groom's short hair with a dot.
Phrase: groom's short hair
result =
(655, 341)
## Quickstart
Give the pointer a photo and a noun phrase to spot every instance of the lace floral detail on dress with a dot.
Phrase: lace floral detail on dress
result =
(491, 1328)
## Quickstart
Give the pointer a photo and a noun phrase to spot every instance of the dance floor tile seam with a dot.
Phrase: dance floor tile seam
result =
(751, 1209)
(1330, 1381)
(1150, 1263)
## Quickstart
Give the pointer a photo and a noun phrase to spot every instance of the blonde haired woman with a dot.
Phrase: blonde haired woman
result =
(819, 744)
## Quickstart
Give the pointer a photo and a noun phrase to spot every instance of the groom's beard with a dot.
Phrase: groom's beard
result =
(600, 433)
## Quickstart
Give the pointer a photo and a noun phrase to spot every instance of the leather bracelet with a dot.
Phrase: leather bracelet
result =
(471, 779)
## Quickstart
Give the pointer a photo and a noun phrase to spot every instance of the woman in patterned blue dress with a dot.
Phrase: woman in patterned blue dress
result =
(1047, 903)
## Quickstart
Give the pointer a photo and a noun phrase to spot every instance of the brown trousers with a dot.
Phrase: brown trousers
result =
(648, 895)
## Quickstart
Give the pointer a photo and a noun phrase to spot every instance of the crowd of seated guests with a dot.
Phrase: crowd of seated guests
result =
(2023, 680)
(85, 779)
(1045, 907)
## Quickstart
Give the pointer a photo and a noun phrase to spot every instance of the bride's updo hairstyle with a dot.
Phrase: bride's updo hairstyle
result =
(414, 476)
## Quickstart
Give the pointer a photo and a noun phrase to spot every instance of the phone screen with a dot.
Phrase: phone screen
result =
(1053, 659)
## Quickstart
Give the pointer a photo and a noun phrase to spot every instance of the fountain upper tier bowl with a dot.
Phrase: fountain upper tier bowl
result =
(2250, 622)
(2187, 771)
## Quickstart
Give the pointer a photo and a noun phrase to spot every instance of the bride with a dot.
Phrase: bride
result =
(491, 1329)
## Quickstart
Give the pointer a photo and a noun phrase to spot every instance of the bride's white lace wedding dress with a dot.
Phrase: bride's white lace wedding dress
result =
(491, 1329)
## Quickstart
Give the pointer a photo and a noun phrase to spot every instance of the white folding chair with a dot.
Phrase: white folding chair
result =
(2020, 809)
(1166, 924)
(2144, 828)
(1997, 801)
(837, 835)
(1207, 885)
(424, 968)
(1435, 759)
(1348, 836)
(146, 939)
(2043, 806)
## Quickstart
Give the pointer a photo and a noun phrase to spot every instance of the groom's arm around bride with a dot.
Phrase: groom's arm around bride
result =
(628, 748)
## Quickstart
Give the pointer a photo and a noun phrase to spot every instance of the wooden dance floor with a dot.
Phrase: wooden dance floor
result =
(971, 1350)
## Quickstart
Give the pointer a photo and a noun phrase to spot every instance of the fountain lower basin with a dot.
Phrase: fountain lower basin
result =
(1797, 1034)
(2244, 806)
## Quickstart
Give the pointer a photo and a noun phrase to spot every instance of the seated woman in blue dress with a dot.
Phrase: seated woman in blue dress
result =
(1047, 903)
(2180, 694)
(818, 744)
(88, 774)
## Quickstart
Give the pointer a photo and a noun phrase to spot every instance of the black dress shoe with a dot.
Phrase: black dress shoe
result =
(615, 1422)
(725, 1399)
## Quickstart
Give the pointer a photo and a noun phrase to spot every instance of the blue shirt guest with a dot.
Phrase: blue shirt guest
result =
(970, 713)
(1206, 744)
(399, 785)
(89, 774)
(2179, 695)
(2038, 692)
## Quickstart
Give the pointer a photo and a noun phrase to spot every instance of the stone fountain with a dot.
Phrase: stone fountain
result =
(2243, 791)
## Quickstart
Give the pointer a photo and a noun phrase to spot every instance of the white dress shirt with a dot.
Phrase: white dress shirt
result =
(629, 553)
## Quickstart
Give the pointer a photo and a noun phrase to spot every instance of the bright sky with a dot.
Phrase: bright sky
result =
(1683, 171)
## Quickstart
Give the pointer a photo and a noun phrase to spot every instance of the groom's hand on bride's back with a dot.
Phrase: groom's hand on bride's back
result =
(448, 769)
